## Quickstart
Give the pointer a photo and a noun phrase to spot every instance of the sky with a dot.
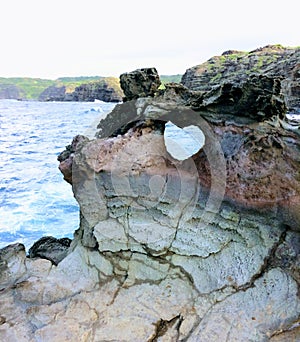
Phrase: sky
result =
(59, 38)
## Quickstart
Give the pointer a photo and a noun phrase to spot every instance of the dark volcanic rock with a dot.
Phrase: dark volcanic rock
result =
(256, 98)
(140, 83)
(50, 248)
(236, 66)
(88, 92)
(92, 91)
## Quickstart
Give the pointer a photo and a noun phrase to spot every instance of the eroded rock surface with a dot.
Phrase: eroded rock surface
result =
(236, 66)
(50, 248)
(140, 83)
(205, 249)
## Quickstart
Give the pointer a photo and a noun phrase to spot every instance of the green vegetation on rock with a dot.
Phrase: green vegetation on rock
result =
(236, 66)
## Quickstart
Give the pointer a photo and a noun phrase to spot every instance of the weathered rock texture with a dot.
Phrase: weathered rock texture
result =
(140, 83)
(94, 91)
(236, 66)
(50, 248)
(201, 250)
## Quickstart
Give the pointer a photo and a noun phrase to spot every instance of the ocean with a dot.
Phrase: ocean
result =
(35, 201)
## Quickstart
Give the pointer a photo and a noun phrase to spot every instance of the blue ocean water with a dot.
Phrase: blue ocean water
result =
(34, 199)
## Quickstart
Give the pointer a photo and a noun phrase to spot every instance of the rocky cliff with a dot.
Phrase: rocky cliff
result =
(234, 66)
(10, 91)
(200, 249)
(53, 93)
(83, 88)
(87, 92)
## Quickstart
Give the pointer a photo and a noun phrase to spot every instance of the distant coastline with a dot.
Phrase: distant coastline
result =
(81, 88)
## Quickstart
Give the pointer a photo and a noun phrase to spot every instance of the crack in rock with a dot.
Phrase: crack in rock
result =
(162, 327)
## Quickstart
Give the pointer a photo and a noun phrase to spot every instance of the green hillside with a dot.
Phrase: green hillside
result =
(29, 88)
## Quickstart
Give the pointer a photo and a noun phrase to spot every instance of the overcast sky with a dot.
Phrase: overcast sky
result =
(51, 39)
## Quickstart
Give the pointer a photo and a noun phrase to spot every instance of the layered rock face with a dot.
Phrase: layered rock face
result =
(204, 249)
(98, 90)
(94, 91)
(236, 66)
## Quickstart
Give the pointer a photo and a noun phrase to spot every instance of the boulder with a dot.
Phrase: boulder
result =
(50, 248)
(140, 83)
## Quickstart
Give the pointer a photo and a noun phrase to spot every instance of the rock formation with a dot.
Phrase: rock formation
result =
(235, 66)
(53, 93)
(50, 248)
(10, 91)
(94, 91)
(204, 249)
(140, 83)
(89, 92)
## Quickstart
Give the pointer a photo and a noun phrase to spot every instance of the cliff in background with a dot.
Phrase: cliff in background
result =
(104, 90)
(9, 91)
(67, 88)
(24, 87)
(63, 89)
(236, 66)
